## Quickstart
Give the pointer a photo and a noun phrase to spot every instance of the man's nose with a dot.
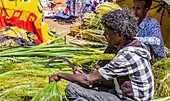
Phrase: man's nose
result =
(134, 10)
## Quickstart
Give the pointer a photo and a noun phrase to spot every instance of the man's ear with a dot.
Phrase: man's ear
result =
(146, 10)
(120, 35)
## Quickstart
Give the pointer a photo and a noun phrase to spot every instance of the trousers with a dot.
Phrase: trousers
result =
(75, 92)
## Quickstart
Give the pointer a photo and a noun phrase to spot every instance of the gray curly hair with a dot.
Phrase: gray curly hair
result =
(121, 21)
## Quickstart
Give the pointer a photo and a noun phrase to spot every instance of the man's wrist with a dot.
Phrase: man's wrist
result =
(58, 75)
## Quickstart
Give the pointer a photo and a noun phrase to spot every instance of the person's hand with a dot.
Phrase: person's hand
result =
(54, 78)
(78, 71)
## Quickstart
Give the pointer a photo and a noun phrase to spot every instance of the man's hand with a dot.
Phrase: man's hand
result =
(78, 71)
(54, 78)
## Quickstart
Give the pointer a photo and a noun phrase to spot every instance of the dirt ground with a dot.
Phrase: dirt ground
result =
(63, 27)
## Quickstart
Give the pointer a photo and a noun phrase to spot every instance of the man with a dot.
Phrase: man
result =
(129, 71)
(149, 33)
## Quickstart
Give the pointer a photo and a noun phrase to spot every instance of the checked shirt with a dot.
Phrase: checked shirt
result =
(132, 74)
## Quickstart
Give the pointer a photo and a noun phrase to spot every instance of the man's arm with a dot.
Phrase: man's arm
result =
(153, 32)
(149, 40)
(82, 79)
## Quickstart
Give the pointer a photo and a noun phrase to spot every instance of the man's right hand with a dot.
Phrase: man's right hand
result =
(78, 71)
(54, 78)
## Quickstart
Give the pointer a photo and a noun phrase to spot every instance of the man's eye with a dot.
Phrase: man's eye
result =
(138, 8)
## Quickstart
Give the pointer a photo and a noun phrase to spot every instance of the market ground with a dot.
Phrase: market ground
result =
(63, 27)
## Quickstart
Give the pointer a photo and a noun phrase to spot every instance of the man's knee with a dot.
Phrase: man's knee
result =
(70, 88)
(70, 91)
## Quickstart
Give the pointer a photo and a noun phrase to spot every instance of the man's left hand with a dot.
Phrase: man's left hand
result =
(54, 78)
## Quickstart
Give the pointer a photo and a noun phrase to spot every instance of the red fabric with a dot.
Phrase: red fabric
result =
(28, 25)
(67, 10)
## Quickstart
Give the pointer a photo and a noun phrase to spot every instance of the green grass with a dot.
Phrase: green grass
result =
(22, 75)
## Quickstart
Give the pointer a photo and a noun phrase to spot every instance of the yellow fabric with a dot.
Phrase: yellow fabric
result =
(15, 32)
(25, 14)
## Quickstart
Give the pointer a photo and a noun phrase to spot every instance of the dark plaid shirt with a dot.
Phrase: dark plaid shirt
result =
(132, 74)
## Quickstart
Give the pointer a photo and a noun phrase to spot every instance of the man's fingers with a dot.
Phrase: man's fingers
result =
(78, 71)
(81, 71)
(54, 72)
(51, 79)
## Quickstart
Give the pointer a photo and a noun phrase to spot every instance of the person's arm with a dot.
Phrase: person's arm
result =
(149, 40)
(82, 79)
(153, 33)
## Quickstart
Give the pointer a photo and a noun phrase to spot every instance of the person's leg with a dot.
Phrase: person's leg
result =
(75, 92)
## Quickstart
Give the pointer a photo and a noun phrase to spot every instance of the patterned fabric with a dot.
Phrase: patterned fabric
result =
(77, 7)
(27, 15)
(150, 34)
(20, 41)
(96, 4)
(132, 74)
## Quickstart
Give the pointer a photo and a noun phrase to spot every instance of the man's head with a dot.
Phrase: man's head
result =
(118, 24)
(140, 8)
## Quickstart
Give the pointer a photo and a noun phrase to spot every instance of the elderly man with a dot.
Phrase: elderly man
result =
(149, 33)
(129, 71)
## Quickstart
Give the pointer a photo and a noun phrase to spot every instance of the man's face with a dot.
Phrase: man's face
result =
(112, 38)
(139, 9)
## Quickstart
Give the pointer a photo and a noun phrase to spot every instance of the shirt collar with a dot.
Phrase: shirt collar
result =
(143, 23)
(133, 42)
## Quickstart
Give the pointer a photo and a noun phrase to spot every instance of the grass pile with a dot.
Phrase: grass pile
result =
(38, 56)
(22, 75)
(24, 83)
(50, 92)
(161, 70)
(91, 28)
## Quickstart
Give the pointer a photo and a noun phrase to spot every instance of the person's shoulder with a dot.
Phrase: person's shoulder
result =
(153, 20)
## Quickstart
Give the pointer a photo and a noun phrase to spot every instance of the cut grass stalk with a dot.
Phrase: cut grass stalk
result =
(50, 92)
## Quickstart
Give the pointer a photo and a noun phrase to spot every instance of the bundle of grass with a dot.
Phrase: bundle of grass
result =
(161, 72)
(50, 92)
(24, 84)
(167, 51)
(162, 99)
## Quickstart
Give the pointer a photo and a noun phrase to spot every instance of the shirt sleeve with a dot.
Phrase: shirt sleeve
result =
(153, 33)
(149, 40)
(121, 65)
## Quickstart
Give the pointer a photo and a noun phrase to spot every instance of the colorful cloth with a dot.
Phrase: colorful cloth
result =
(77, 7)
(132, 73)
(96, 4)
(150, 34)
(27, 15)
(20, 41)
(14, 32)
